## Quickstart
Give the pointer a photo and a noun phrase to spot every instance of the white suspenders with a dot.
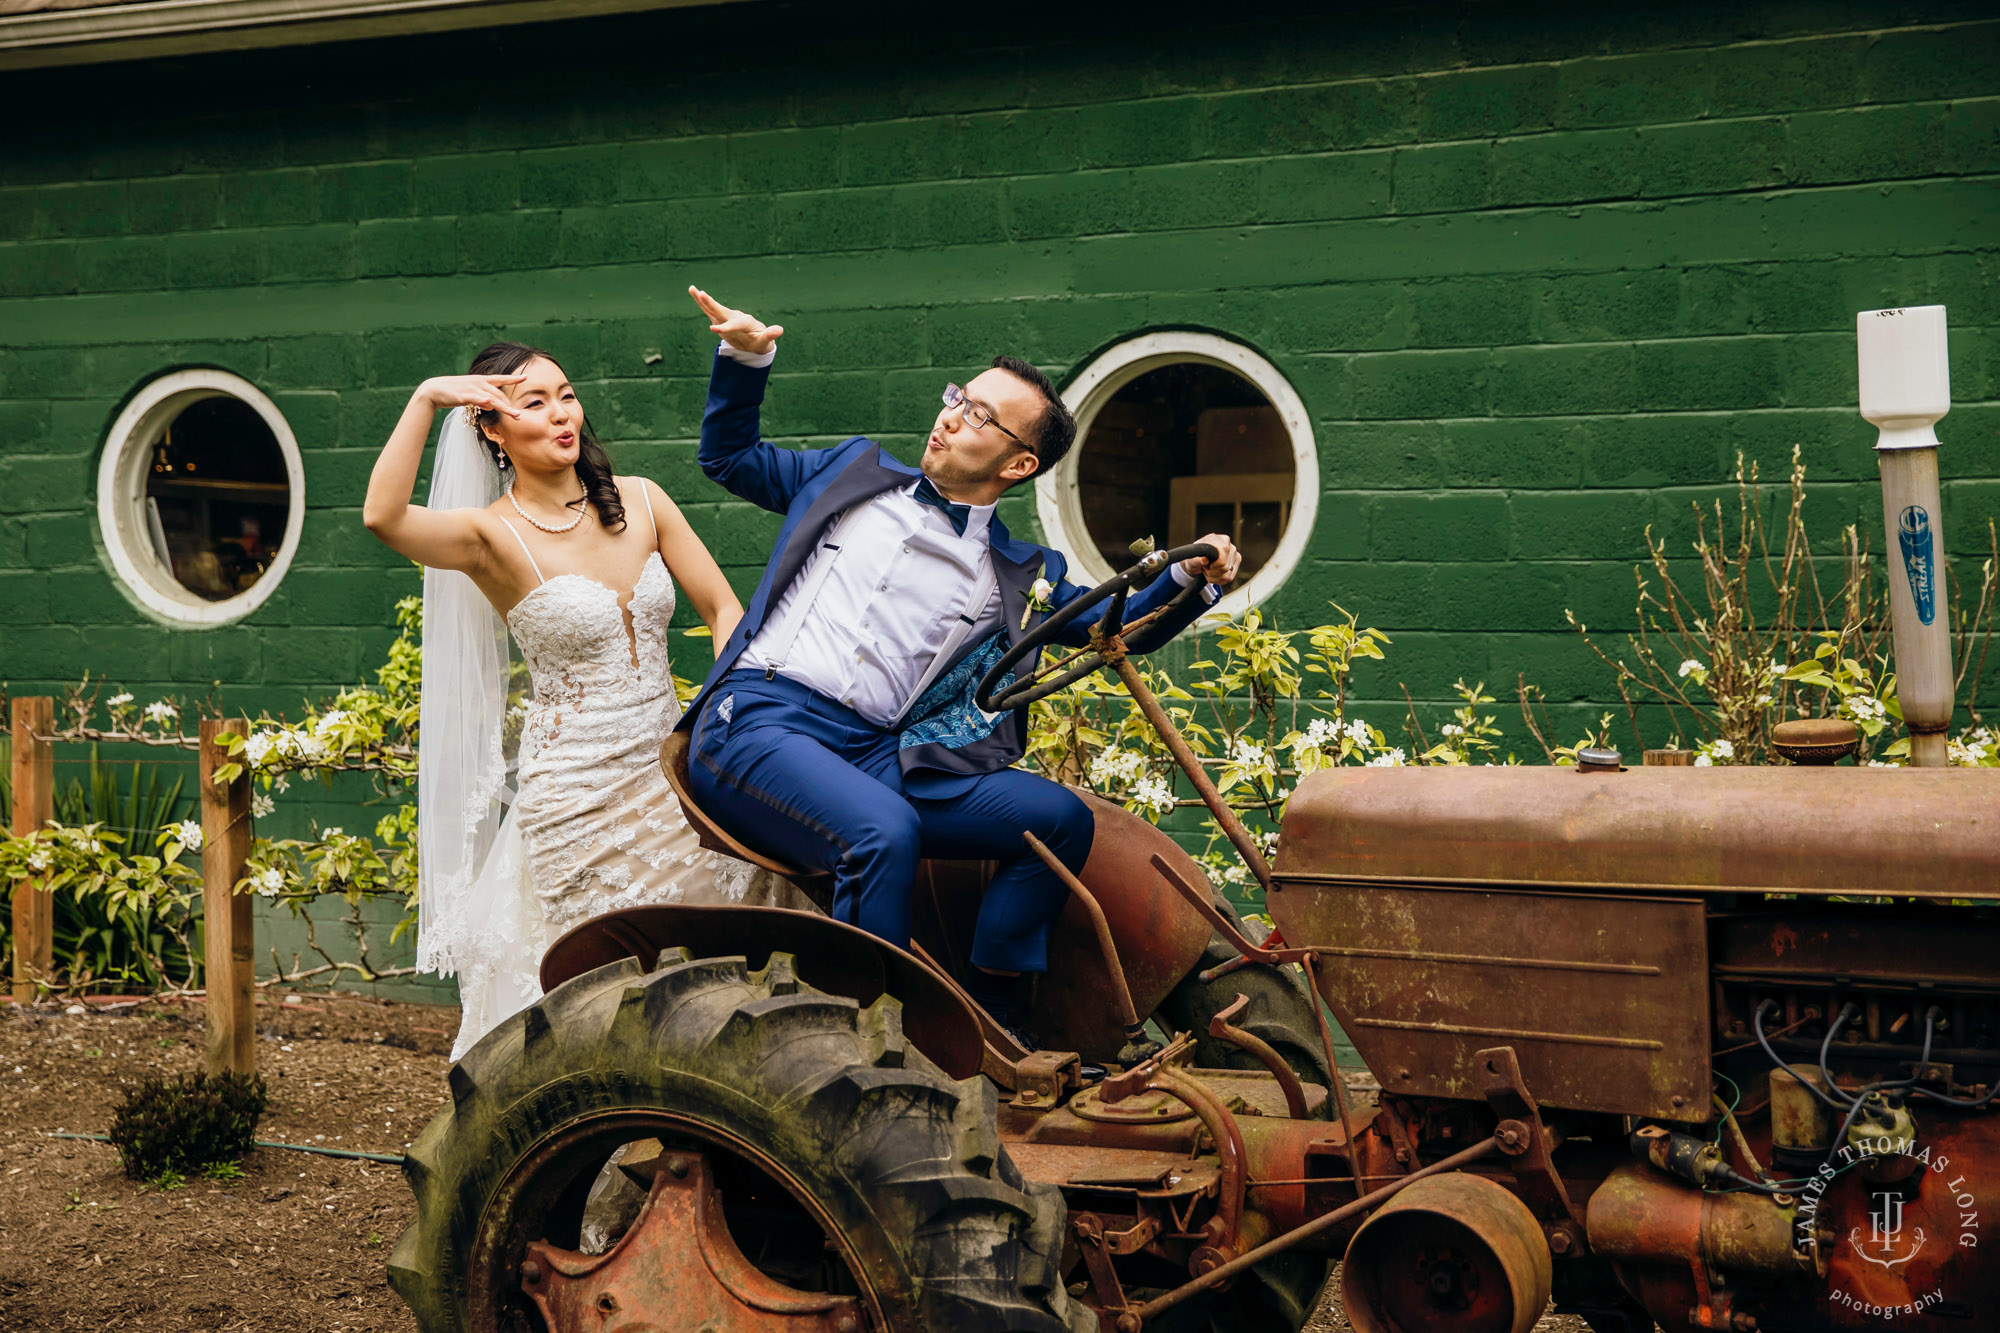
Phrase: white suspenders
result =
(778, 650)
(780, 647)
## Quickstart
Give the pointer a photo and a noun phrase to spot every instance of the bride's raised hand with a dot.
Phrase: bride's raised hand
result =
(442, 538)
(741, 330)
(486, 392)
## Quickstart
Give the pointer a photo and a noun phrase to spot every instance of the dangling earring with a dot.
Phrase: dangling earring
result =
(502, 462)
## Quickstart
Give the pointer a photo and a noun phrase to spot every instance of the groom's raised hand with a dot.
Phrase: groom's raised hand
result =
(744, 332)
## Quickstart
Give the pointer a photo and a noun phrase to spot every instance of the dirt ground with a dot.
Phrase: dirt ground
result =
(299, 1245)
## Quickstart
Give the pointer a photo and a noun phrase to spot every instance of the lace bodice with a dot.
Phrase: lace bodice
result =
(602, 696)
(593, 827)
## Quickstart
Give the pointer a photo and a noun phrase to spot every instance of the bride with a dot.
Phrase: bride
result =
(527, 527)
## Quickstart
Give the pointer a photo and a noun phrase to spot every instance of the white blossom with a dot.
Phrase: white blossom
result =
(1229, 870)
(271, 882)
(1154, 795)
(189, 834)
(1864, 708)
(1116, 768)
(38, 860)
(1723, 749)
(1689, 667)
(1453, 729)
(1388, 759)
(119, 700)
(1778, 668)
(329, 720)
(257, 748)
(1322, 731)
(1703, 761)
(1248, 752)
(261, 805)
(161, 711)
(1042, 590)
(328, 835)
(298, 743)
(1360, 732)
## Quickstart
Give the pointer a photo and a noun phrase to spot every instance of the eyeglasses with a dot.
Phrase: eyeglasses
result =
(978, 417)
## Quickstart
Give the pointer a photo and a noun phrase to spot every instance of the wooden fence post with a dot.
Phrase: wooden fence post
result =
(34, 806)
(227, 941)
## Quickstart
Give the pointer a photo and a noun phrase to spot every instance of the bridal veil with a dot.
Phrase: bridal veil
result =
(476, 913)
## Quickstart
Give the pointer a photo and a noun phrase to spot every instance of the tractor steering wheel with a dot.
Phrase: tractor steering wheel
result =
(1048, 680)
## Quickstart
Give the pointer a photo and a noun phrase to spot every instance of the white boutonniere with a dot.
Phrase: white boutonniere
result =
(1038, 596)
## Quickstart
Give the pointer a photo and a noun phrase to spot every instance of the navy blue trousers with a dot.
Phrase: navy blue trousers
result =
(804, 779)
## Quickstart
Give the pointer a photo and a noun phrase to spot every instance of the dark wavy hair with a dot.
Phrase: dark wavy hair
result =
(1056, 431)
(593, 465)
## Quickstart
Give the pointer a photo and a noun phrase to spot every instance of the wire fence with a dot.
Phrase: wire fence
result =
(226, 943)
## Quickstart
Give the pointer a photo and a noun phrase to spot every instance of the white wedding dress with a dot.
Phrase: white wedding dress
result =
(595, 827)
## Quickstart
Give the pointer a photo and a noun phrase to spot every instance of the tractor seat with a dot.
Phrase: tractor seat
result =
(815, 884)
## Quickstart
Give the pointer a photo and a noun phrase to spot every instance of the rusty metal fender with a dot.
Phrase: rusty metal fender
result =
(828, 955)
(1158, 936)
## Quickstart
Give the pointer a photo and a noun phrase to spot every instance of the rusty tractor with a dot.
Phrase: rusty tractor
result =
(1712, 1048)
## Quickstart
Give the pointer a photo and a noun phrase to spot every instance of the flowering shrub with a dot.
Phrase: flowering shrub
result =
(369, 728)
(1257, 710)
(86, 859)
(1761, 641)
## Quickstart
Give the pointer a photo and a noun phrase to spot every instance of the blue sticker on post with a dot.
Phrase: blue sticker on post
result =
(1914, 531)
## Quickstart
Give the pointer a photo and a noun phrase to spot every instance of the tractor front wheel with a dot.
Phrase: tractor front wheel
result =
(1280, 1294)
(707, 1145)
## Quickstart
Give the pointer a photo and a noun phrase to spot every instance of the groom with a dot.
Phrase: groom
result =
(836, 730)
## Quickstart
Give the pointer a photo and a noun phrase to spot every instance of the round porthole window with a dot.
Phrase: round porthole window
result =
(200, 497)
(1180, 434)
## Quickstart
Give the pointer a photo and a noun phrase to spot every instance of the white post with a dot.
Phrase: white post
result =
(1905, 389)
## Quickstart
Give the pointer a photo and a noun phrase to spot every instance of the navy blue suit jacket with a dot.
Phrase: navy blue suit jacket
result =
(811, 487)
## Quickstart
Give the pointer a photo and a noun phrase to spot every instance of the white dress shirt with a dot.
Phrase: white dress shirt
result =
(879, 614)
(897, 584)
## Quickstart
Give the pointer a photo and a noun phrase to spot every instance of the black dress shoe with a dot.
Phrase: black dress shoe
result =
(1027, 1040)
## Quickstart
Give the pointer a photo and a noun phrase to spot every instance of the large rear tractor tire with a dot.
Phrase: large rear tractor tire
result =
(844, 1163)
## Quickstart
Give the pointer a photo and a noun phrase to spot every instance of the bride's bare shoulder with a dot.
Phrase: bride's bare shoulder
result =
(637, 486)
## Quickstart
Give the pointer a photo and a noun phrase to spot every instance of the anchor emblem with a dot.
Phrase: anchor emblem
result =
(1885, 1228)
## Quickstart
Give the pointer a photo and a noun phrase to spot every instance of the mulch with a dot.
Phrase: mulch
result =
(300, 1243)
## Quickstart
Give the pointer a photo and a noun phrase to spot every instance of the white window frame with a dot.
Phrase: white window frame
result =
(1059, 498)
(121, 498)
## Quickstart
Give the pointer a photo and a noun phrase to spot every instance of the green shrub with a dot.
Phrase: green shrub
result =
(185, 1124)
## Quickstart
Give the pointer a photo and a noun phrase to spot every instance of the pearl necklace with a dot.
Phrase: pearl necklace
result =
(545, 527)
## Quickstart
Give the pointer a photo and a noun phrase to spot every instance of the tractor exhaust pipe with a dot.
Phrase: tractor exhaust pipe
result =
(1905, 389)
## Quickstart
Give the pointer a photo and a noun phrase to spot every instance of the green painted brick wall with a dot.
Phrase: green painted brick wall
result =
(1538, 273)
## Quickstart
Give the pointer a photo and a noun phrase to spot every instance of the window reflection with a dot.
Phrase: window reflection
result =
(1183, 450)
(217, 497)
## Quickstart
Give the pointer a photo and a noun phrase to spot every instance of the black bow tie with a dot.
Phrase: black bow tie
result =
(927, 494)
